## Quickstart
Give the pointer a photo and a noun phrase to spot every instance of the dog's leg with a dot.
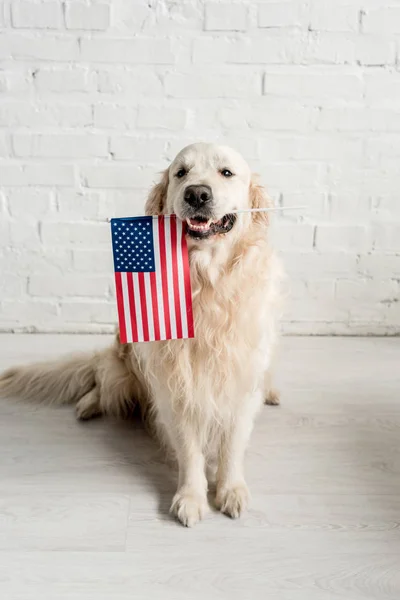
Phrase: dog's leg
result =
(190, 501)
(232, 492)
(88, 406)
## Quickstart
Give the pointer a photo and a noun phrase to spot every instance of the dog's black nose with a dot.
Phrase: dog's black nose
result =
(198, 195)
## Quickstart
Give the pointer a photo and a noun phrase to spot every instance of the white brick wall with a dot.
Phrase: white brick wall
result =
(97, 95)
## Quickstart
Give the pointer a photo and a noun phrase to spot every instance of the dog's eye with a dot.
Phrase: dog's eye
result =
(181, 173)
(226, 173)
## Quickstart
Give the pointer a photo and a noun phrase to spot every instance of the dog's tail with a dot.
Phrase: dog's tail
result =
(61, 382)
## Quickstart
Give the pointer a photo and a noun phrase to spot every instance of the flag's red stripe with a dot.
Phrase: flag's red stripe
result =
(164, 278)
(186, 277)
(132, 309)
(120, 305)
(154, 300)
(175, 275)
(145, 321)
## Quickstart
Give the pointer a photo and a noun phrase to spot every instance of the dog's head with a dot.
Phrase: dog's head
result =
(203, 186)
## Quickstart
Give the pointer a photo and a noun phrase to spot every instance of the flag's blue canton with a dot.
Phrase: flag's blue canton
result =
(133, 247)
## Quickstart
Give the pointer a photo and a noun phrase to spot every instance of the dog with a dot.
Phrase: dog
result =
(199, 396)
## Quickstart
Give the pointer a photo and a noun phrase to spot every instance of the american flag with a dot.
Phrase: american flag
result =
(152, 279)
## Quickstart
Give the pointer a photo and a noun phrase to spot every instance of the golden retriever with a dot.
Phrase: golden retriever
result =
(200, 396)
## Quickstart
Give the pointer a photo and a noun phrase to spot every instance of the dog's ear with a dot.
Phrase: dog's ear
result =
(158, 195)
(259, 199)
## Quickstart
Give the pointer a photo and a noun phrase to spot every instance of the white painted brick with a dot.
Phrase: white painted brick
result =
(379, 266)
(74, 205)
(5, 145)
(315, 86)
(383, 20)
(75, 234)
(34, 311)
(73, 284)
(24, 114)
(206, 85)
(271, 49)
(19, 80)
(36, 15)
(386, 237)
(60, 145)
(345, 238)
(32, 202)
(152, 117)
(324, 47)
(79, 15)
(367, 292)
(375, 50)
(294, 236)
(25, 46)
(382, 89)
(339, 16)
(358, 119)
(88, 261)
(63, 80)
(137, 148)
(136, 51)
(282, 14)
(294, 119)
(225, 16)
(313, 265)
(116, 176)
(113, 116)
(89, 312)
(136, 82)
(38, 174)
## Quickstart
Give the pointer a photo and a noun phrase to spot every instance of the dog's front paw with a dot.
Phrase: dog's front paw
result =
(233, 500)
(189, 507)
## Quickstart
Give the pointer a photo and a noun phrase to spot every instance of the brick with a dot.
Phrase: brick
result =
(25, 203)
(34, 15)
(150, 117)
(23, 114)
(212, 85)
(382, 89)
(88, 261)
(384, 20)
(358, 119)
(374, 50)
(42, 175)
(295, 119)
(89, 312)
(32, 312)
(112, 116)
(139, 51)
(137, 148)
(87, 16)
(293, 236)
(76, 205)
(25, 46)
(60, 145)
(282, 14)
(116, 176)
(276, 49)
(386, 237)
(70, 284)
(338, 16)
(225, 17)
(63, 80)
(325, 47)
(345, 238)
(136, 82)
(315, 86)
(75, 234)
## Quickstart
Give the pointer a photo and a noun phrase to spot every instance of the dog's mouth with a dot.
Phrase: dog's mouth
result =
(200, 227)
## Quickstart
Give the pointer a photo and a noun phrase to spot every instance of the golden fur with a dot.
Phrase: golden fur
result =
(200, 395)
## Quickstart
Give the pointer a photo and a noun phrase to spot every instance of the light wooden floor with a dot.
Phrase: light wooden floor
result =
(84, 508)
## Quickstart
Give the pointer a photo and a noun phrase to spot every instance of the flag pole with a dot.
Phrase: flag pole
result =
(235, 212)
